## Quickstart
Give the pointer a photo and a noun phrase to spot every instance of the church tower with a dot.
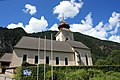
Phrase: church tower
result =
(64, 32)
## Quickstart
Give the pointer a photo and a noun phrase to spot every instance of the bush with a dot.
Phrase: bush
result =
(70, 73)
(95, 73)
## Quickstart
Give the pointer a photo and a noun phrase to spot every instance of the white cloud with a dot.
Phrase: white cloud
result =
(69, 8)
(54, 27)
(114, 22)
(34, 25)
(114, 19)
(30, 9)
(98, 34)
(115, 38)
(114, 31)
(107, 31)
(85, 26)
(99, 26)
(12, 25)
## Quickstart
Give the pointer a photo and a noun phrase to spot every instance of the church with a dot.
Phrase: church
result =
(65, 51)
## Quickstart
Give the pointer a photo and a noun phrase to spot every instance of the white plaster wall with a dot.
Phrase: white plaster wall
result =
(18, 53)
(16, 61)
(62, 34)
(82, 52)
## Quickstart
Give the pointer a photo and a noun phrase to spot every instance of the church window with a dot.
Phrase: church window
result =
(57, 60)
(36, 59)
(47, 59)
(24, 57)
(66, 61)
(86, 56)
(66, 38)
(79, 56)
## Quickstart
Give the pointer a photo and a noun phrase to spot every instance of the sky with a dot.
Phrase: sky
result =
(96, 18)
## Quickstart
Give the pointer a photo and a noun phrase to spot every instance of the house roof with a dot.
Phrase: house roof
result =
(77, 44)
(6, 57)
(32, 43)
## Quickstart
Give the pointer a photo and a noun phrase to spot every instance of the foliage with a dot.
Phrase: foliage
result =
(70, 73)
(110, 75)
(77, 75)
(112, 59)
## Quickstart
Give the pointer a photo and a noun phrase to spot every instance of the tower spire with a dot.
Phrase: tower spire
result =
(63, 24)
(62, 18)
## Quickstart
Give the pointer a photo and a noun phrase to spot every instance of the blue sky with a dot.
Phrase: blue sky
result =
(97, 18)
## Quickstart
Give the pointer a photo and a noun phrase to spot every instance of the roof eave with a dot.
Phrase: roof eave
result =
(42, 50)
(82, 48)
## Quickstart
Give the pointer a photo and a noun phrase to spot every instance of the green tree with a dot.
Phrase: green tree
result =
(112, 59)
(95, 73)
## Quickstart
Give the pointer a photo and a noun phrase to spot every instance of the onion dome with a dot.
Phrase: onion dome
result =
(63, 24)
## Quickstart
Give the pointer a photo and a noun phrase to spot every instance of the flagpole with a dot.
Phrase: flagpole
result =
(44, 57)
(38, 58)
(51, 57)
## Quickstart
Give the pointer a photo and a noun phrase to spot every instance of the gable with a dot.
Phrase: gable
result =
(6, 57)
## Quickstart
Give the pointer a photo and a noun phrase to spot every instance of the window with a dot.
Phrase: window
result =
(66, 61)
(47, 59)
(86, 56)
(36, 59)
(24, 57)
(57, 60)
(66, 38)
(80, 61)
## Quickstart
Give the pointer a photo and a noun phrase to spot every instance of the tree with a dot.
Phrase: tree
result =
(112, 59)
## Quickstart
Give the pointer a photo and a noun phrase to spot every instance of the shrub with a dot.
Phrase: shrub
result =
(70, 72)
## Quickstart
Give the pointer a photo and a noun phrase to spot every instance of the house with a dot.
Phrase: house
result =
(5, 61)
(66, 51)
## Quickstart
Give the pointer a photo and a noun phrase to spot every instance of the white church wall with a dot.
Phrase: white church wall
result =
(18, 54)
(82, 53)
(16, 61)
(63, 34)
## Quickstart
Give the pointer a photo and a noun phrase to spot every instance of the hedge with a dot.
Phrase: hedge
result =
(67, 72)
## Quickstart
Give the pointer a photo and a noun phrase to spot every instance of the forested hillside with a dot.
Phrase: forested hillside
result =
(100, 49)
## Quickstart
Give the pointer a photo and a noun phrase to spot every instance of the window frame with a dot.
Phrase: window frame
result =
(26, 57)
(35, 58)
(48, 60)
(67, 61)
(80, 58)
(58, 60)
(86, 58)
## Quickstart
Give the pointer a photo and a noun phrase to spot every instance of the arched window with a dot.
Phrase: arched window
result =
(24, 59)
(66, 61)
(47, 59)
(66, 38)
(79, 56)
(86, 56)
